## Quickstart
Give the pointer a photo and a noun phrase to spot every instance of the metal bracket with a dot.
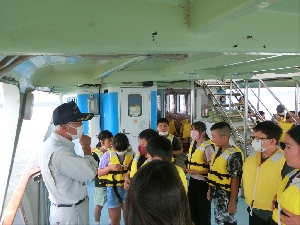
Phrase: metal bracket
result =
(37, 178)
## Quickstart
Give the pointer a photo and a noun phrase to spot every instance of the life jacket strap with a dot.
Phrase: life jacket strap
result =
(220, 175)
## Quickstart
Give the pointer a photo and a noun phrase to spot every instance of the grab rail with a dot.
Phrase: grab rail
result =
(277, 99)
(15, 211)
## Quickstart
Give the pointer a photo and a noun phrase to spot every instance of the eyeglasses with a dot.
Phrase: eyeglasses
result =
(258, 138)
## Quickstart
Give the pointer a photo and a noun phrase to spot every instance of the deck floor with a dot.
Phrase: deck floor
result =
(242, 215)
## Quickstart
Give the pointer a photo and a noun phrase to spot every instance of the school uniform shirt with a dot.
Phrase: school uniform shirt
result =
(175, 144)
(64, 172)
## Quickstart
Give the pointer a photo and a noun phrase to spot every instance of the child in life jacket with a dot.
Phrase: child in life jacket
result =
(159, 148)
(197, 165)
(163, 130)
(140, 157)
(263, 170)
(224, 175)
(105, 139)
(114, 165)
(287, 200)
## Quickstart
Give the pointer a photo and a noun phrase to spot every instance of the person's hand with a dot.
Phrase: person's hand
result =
(208, 194)
(273, 202)
(290, 219)
(232, 207)
(184, 169)
(293, 115)
(85, 142)
(279, 119)
(192, 172)
(126, 183)
(115, 167)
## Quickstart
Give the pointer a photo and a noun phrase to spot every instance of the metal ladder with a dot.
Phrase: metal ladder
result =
(227, 116)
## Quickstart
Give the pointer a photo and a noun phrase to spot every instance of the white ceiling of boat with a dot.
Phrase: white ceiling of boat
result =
(57, 45)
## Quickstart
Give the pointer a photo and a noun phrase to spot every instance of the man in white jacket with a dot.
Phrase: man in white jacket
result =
(65, 173)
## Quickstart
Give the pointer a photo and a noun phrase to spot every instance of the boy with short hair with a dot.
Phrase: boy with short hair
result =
(225, 175)
(144, 137)
(140, 157)
(159, 148)
(163, 130)
(263, 171)
(280, 114)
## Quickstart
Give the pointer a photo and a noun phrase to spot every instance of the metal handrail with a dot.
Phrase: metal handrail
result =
(242, 95)
(251, 106)
(277, 99)
(224, 115)
(15, 202)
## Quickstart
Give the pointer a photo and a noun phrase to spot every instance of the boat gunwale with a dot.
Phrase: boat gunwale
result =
(14, 204)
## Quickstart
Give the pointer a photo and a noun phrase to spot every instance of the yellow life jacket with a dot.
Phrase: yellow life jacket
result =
(170, 138)
(260, 181)
(179, 169)
(182, 177)
(285, 128)
(196, 161)
(288, 197)
(116, 178)
(99, 153)
(283, 118)
(218, 174)
(134, 165)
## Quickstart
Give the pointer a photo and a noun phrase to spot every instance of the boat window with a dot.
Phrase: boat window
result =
(181, 102)
(135, 105)
(170, 103)
(158, 102)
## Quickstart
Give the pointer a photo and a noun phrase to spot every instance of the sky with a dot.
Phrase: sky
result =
(285, 95)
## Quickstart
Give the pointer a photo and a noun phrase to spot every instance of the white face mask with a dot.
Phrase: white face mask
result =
(79, 132)
(121, 153)
(163, 133)
(257, 146)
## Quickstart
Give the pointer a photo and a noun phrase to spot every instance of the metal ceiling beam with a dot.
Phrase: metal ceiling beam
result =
(206, 63)
(262, 66)
(18, 60)
(116, 65)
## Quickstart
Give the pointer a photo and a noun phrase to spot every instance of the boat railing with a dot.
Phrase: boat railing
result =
(277, 99)
(29, 203)
(219, 108)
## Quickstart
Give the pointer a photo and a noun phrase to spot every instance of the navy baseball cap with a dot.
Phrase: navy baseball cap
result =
(69, 112)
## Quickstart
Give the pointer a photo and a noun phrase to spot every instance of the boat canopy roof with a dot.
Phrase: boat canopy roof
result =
(65, 45)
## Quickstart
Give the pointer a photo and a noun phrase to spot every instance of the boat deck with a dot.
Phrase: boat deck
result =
(242, 215)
